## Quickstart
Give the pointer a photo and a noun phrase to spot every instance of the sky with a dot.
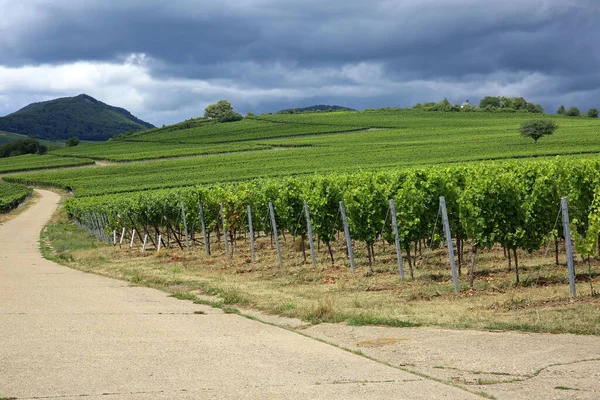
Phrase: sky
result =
(165, 61)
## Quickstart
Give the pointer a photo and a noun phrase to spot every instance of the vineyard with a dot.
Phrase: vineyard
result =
(135, 151)
(184, 224)
(249, 129)
(512, 205)
(11, 195)
(407, 134)
(34, 161)
(198, 138)
(205, 152)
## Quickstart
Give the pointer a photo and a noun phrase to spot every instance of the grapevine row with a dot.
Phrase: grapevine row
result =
(11, 195)
(513, 204)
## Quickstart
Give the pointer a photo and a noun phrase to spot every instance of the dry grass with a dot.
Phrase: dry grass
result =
(380, 342)
(31, 200)
(331, 293)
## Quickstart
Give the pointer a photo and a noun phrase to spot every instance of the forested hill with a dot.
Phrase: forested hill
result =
(81, 116)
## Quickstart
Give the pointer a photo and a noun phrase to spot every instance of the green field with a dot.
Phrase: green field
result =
(404, 133)
(249, 129)
(300, 144)
(198, 138)
(35, 161)
(136, 151)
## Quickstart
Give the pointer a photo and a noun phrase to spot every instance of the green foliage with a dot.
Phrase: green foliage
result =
(443, 105)
(492, 208)
(222, 111)
(323, 196)
(490, 101)
(366, 203)
(290, 206)
(21, 147)
(535, 129)
(586, 234)
(11, 195)
(592, 113)
(72, 141)
(81, 116)
(487, 104)
(573, 112)
(561, 110)
(513, 204)
(34, 161)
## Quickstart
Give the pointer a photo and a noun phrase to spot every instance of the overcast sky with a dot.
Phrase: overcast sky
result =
(165, 61)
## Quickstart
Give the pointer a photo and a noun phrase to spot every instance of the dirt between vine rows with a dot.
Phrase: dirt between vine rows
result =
(70, 334)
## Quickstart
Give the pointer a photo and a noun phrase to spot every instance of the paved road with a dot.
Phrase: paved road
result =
(70, 335)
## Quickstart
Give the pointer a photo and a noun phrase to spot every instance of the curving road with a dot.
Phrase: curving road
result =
(69, 335)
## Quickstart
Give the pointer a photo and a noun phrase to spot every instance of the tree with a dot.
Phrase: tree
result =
(592, 113)
(535, 129)
(573, 112)
(535, 108)
(506, 102)
(20, 147)
(561, 110)
(222, 111)
(519, 103)
(72, 141)
(489, 101)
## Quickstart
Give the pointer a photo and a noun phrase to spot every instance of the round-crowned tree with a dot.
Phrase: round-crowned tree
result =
(222, 111)
(535, 129)
(573, 112)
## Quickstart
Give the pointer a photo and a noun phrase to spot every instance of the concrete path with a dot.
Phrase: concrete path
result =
(507, 365)
(70, 335)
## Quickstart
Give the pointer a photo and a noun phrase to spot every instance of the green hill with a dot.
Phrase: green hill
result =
(81, 116)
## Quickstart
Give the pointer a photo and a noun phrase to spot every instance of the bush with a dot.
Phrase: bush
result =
(592, 113)
(72, 141)
(573, 112)
(231, 116)
(535, 129)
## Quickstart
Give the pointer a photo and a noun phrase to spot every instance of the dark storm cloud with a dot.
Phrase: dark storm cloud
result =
(334, 51)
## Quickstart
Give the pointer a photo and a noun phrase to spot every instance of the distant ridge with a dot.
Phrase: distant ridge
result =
(81, 116)
(318, 107)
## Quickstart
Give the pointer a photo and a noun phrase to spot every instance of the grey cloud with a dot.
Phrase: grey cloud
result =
(305, 48)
